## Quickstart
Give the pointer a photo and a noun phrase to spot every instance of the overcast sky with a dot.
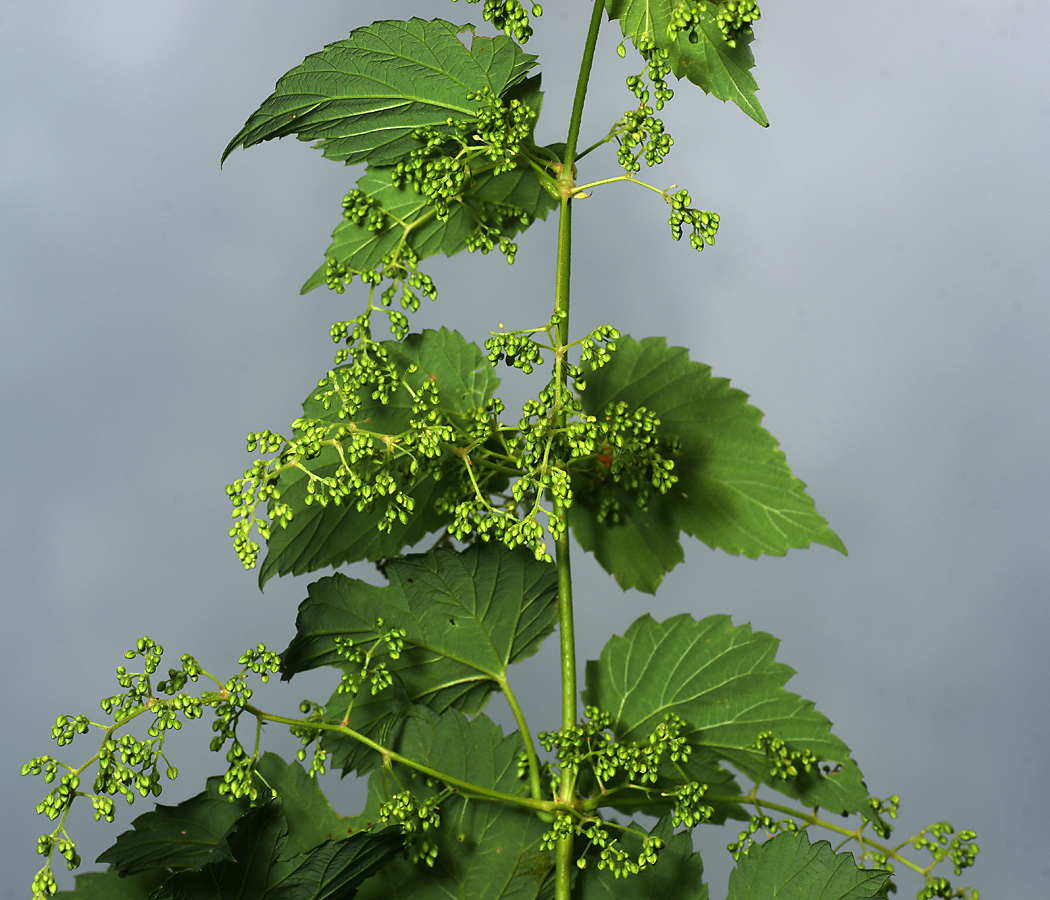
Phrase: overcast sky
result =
(879, 287)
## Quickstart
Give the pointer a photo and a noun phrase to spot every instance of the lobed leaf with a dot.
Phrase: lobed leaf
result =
(484, 849)
(734, 491)
(176, 837)
(361, 98)
(333, 535)
(468, 615)
(258, 867)
(710, 63)
(789, 866)
(724, 682)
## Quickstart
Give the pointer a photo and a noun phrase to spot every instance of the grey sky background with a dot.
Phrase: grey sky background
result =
(879, 287)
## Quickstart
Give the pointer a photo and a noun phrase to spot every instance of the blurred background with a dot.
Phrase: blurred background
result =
(879, 287)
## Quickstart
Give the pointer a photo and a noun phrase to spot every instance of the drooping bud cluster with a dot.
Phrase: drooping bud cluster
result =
(769, 828)
(510, 17)
(417, 819)
(733, 18)
(703, 222)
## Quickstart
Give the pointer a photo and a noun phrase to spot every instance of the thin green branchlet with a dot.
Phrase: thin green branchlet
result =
(383, 435)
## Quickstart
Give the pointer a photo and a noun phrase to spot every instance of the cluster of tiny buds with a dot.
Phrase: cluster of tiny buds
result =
(611, 855)
(767, 825)
(641, 136)
(510, 17)
(657, 68)
(733, 18)
(416, 820)
(704, 223)
(783, 762)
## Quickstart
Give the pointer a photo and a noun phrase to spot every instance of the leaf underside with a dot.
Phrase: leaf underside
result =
(735, 491)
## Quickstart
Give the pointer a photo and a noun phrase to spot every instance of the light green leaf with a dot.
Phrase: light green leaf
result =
(468, 615)
(788, 867)
(412, 220)
(485, 850)
(710, 63)
(361, 98)
(725, 683)
(734, 491)
(109, 885)
(177, 837)
(333, 535)
(678, 872)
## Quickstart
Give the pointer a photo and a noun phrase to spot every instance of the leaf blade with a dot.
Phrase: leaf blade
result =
(361, 98)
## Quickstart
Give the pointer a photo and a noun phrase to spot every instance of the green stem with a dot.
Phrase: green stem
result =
(467, 788)
(526, 737)
(566, 628)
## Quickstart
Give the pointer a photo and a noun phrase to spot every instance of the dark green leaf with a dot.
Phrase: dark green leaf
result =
(335, 869)
(309, 816)
(362, 97)
(255, 842)
(710, 63)
(788, 866)
(333, 535)
(468, 615)
(725, 683)
(678, 872)
(177, 837)
(734, 490)
(485, 850)
(258, 867)
(109, 885)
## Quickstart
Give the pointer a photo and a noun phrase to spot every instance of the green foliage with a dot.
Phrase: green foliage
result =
(625, 445)
(790, 866)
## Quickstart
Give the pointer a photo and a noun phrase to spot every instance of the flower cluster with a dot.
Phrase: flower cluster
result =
(733, 18)
(443, 168)
(781, 761)
(764, 823)
(704, 223)
(416, 820)
(510, 17)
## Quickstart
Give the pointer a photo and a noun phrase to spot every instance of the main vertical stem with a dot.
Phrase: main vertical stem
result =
(566, 625)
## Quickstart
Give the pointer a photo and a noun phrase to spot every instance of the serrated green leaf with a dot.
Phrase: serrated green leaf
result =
(333, 535)
(489, 850)
(177, 837)
(361, 98)
(710, 63)
(724, 681)
(678, 873)
(788, 866)
(109, 885)
(413, 221)
(258, 867)
(468, 616)
(309, 816)
(734, 492)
